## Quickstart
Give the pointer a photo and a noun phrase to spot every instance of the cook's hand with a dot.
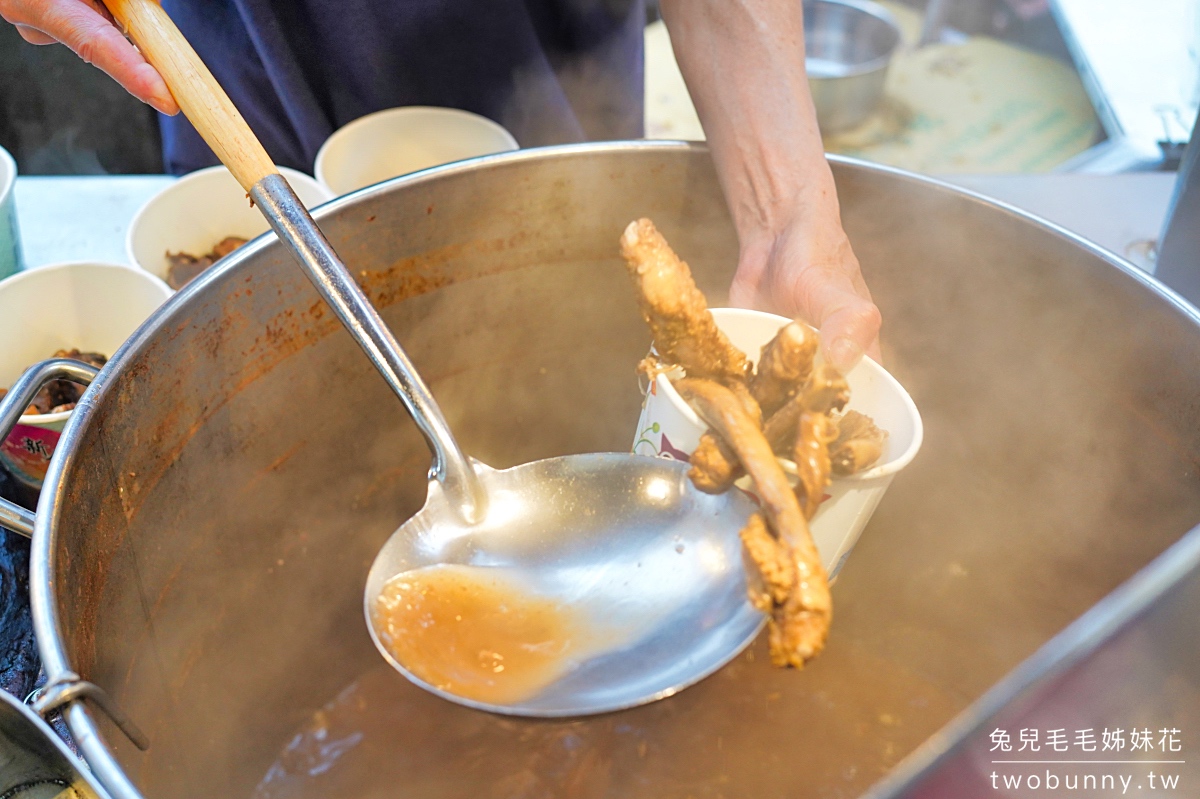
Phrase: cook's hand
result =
(808, 270)
(87, 28)
(744, 66)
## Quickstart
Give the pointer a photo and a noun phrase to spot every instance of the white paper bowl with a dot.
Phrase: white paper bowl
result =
(669, 428)
(88, 306)
(397, 141)
(195, 212)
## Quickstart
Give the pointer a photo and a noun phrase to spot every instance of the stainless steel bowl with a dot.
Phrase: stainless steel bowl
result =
(848, 46)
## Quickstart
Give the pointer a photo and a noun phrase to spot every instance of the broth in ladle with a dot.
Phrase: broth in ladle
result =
(478, 634)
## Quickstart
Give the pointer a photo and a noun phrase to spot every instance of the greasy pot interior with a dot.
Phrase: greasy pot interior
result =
(236, 473)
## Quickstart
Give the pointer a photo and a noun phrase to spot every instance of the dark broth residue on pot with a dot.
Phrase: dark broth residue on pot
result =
(738, 733)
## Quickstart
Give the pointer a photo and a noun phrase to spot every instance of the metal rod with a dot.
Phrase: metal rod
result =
(70, 687)
(292, 223)
(12, 516)
(933, 22)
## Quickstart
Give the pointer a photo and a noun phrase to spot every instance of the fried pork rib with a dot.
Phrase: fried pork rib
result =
(785, 363)
(814, 433)
(800, 616)
(858, 445)
(715, 465)
(825, 392)
(774, 563)
(796, 398)
(677, 313)
(725, 415)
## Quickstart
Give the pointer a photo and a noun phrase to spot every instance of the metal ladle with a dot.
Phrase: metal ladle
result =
(624, 541)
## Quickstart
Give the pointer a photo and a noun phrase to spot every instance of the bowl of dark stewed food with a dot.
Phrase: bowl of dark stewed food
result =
(80, 311)
(199, 219)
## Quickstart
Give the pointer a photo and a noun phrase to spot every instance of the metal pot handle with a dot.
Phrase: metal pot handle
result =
(18, 398)
(70, 687)
(67, 687)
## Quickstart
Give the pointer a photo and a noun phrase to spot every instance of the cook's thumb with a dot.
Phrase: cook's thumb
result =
(851, 331)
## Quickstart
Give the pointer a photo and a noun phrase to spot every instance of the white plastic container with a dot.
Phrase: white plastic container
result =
(87, 306)
(397, 141)
(669, 428)
(200, 209)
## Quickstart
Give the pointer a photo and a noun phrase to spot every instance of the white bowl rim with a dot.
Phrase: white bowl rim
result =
(193, 177)
(886, 469)
(47, 419)
(403, 110)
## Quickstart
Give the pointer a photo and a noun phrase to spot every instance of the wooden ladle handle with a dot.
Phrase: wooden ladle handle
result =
(202, 99)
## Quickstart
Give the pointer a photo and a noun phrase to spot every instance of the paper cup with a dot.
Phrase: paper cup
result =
(397, 141)
(669, 428)
(11, 260)
(200, 209)
(88, 306)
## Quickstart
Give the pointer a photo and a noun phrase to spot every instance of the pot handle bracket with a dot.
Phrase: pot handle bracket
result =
(18, 398)
(68, 686)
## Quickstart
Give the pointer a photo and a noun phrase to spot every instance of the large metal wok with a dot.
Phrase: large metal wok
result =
(207, 525)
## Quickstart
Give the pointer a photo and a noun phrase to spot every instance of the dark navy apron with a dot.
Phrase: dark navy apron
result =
(550, 71)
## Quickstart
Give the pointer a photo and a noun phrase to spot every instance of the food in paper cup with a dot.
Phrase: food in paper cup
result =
(78, 310)
(669, 428)
(199, 219)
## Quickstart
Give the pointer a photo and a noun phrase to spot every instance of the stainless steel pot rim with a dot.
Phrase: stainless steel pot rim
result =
(1080, 639)
(51, 645)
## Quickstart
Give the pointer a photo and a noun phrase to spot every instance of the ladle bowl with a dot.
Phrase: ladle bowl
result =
(652, 565)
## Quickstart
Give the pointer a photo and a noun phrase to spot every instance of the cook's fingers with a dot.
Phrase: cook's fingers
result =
(849, 322)
(92, 37)
(742, 293)
(34, 36)
(851, 331)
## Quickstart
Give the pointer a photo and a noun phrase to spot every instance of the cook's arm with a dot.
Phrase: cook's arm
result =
(87, 28)
(743, 61)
